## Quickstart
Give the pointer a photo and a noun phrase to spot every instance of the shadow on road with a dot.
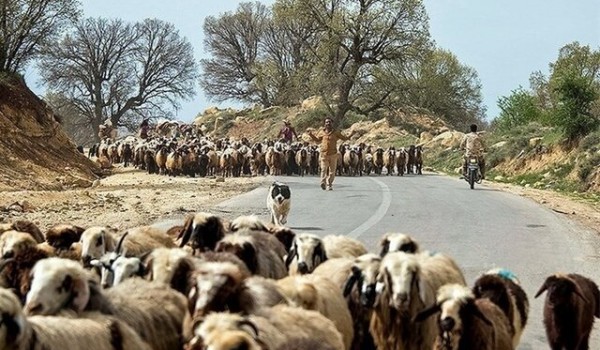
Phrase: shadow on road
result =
(307, 228)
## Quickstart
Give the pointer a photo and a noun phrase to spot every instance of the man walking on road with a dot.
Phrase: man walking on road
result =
(328, 138)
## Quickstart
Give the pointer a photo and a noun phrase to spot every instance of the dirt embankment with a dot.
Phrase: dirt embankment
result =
(35, 153)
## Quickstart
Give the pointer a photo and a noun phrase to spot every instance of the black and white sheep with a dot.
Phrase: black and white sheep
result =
(155, 311)
(572, 302)
(502, 288)
(18, 332)
(467, 323)
(309, 250)
(409, 283)
(202, 231)
(261, 252)
(398, 242)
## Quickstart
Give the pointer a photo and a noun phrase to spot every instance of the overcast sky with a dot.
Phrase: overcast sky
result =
(503, 40)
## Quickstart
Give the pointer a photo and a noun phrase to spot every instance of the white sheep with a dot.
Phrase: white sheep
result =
(18, 332)
(154, 310)
(317, 293)
(410, 283)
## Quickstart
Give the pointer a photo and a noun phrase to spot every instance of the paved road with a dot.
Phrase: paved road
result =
(481, 228)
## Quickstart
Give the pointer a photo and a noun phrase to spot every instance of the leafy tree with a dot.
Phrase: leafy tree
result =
(109, 69)
(233, 40)
(26, 25)
(575, 100)
(73, 123)
(519, 108)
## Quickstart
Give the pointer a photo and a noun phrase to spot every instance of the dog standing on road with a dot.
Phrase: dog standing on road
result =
(279, 202)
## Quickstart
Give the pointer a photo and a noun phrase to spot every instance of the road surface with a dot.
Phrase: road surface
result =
(482, 228)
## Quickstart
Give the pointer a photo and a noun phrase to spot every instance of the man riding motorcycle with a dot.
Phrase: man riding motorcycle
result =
(474, 146)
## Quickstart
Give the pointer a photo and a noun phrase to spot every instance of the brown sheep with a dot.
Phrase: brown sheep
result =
(24, 226)
(317, 293)
(174, 163)
(466, 323)
(15, 271)
(571, 304)
(61, 236)
(161, 160)
(202, 231)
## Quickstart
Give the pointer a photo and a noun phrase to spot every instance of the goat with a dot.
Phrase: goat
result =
(467, 323)
(571, 304)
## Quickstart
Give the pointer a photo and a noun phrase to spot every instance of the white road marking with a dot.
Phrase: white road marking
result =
(386, 200)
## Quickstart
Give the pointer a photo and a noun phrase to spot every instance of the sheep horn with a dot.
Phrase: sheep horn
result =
(246, 322)
(425, 314)
(118, 250)
(542, 289)
(5, 262)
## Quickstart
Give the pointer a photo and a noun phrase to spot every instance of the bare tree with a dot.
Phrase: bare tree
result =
(121, 72)
(25, 25)
(233, 41)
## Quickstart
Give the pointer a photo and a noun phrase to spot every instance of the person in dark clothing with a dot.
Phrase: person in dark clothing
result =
(288, 132)
(144, 127)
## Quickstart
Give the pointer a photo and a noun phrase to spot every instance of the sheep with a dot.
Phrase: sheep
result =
(15, 271)
(152, 309)
(61, 236)
(56, 333)
(249, 222)
(467, 323)
(274, 328)
(362, 273)
(398, 242)
(262, 253)
(499, 286)
(24, 226)
(11, 242)
(401, 160)
(72, 253)
(203, 230)
(409, 285)
(96, 241)
(161, 159)
(174, 163)
(571, 303)
(312, 292)
(308, 251)
(220, 286)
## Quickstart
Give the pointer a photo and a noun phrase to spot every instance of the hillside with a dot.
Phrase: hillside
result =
(35, 153)
(531, 156)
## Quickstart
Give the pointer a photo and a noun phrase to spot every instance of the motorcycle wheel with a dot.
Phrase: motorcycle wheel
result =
(472, 179)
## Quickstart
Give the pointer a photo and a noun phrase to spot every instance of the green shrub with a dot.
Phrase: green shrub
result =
(586, 167)
(590, 143)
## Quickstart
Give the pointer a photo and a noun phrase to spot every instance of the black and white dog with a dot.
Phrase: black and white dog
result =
(279, 202)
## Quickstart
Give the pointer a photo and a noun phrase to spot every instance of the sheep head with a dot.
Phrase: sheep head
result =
(124, 268)
(457, 308)
(220, 322)
(560, 289)
(495, 289)
(215, 287)
(12, 320)
(242, 246)
(250, 222)
(203, 230)
(400, 273)
(12, 242)
(363, 274)
(309, 252)
(57, 284)
(398, 242)
(61, 236)
(95, 242)
(284, 235)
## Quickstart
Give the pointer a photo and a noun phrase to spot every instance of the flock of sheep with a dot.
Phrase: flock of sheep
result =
(193, 155)
(218, 285)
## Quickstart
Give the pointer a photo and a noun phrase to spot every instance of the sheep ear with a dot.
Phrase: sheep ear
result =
(248, 255)
(247, 324)
(79, 289)
(320, 253)
(291, 256)
(13, 328)
(579, 292)
(350, 284)
(477, 313)
(428, 312)
(5, 262)
(385, 247)
(542, 289)
(186, 232)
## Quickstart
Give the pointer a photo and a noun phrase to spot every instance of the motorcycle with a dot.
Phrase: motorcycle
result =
(473, 172)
